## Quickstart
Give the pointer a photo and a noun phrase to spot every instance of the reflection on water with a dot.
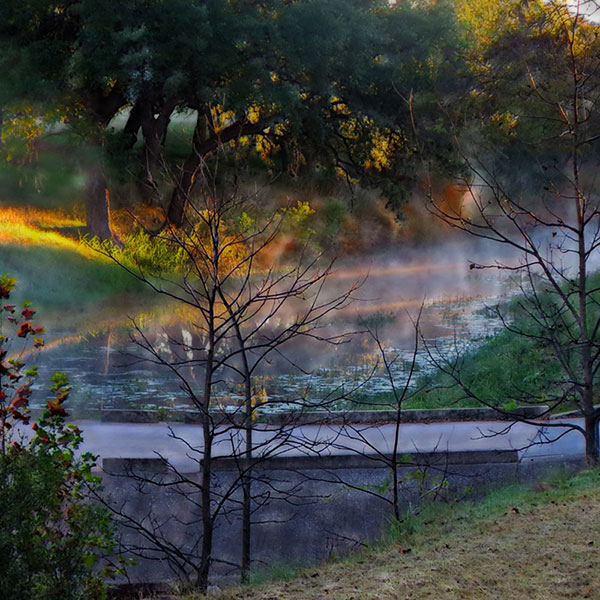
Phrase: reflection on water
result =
(107, 370)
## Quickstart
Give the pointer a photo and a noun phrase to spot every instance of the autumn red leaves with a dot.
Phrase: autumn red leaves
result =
(16, 378)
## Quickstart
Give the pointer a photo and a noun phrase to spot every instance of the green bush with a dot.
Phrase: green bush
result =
(54, 539)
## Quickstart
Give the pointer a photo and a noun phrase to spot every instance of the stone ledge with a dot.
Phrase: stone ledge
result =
(436, 460)
(571, 414)
(317, 417)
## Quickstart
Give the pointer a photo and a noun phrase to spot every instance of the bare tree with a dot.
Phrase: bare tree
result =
(393, 458)
(245, 308)
(387, 451)
(551, 219)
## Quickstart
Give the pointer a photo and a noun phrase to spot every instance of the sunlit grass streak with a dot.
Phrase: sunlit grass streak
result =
(33, 226)
(57, 343)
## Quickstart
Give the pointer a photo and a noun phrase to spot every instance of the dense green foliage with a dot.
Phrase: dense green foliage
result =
(305, 85)
(524, 59)
(50, 536)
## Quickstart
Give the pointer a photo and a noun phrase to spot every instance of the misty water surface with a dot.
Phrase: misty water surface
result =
(107, 370)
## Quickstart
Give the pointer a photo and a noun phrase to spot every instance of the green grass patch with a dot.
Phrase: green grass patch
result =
(507, 371)
(275, 572)
(64, 282)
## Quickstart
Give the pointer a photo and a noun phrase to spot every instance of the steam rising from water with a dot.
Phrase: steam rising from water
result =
(395, 285)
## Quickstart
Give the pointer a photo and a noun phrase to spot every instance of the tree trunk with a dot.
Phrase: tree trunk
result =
(130, 131)
(202, 146)
(183, 189)
(97, 205)
(591, 440)
(394, 463)
(206, 467)
(247, 455)
(247, 476)
(154, 130)
(207, 516)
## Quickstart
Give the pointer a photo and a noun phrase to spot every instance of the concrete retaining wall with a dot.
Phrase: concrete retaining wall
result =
(312, 507)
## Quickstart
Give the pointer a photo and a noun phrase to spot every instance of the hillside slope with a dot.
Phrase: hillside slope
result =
(537, 544)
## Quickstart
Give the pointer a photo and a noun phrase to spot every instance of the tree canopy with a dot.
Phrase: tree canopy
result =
(532, 152)
(300, 82)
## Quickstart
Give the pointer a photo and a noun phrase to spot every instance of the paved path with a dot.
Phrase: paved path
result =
(179, 443)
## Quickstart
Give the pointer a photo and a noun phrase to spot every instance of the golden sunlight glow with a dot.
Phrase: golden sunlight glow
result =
(37, 227)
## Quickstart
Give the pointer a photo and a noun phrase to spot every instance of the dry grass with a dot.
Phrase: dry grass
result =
(40, 217)
(545, 549)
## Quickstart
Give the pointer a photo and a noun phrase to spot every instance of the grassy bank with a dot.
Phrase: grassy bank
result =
(535, 544)
(506, 371)
(68, 287)
(501, 372)
(66, 280)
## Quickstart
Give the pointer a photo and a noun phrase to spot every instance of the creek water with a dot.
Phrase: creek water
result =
(108, 370)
